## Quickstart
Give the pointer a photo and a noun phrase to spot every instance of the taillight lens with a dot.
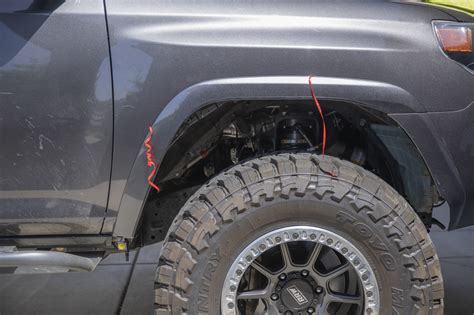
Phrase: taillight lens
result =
(456, 40)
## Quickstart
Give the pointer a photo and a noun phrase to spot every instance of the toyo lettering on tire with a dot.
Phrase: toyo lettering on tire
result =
(293, 233)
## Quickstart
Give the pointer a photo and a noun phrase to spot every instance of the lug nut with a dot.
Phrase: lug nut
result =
(282, 276)
(274, 297)
(319, 290)
(310, 310)
(305, 273)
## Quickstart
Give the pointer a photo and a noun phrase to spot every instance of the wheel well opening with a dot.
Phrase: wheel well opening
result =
(221, 135)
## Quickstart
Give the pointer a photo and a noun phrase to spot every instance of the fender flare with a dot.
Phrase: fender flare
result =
(378, 95)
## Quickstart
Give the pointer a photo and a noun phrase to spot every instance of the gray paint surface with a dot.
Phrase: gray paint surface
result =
(55, 117)
(171, 58)
(184, 55)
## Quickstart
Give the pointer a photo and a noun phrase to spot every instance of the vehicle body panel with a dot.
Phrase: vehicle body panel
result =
(453, 180)
(56, 117)
(172, 58)
(456, 132)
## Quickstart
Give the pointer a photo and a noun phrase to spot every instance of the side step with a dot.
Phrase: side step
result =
(39, 261)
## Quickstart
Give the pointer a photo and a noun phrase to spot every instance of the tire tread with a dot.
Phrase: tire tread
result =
(280, 176)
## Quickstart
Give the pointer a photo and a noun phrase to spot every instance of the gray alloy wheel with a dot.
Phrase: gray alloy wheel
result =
(300, 283)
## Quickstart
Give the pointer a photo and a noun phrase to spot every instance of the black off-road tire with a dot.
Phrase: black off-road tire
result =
(272, 192)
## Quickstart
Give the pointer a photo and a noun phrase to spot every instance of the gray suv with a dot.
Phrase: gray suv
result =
(288, 154)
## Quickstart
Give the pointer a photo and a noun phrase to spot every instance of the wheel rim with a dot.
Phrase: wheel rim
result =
(257, 280)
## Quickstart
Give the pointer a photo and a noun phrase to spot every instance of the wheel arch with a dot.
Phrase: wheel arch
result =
(380, 96)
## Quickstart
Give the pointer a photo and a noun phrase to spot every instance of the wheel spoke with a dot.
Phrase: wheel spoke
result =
(337, 272)
(343, 298)
(285, 253)
(314, 255)
(322, 309)
(272, 309)
(261, 269)
(307, 264)
(253, 294)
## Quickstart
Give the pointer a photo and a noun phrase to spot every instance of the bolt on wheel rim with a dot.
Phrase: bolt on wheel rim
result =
(299, 286)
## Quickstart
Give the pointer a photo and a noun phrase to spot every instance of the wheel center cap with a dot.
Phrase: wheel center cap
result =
(297, 294)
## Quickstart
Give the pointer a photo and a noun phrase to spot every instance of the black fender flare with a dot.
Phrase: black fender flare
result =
(384, 97)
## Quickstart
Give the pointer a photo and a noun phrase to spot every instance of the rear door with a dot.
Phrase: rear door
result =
(55, 117)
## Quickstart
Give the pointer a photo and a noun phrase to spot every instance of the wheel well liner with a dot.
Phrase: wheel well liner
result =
(377, 95)
(388, 150)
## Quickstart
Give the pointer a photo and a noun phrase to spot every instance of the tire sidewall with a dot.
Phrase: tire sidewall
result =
(338, 217)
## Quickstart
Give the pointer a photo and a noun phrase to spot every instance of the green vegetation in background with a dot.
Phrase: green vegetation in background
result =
(465, 5)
